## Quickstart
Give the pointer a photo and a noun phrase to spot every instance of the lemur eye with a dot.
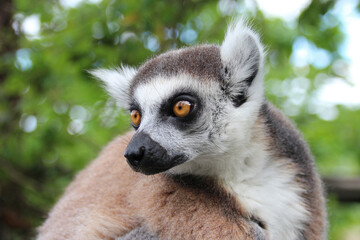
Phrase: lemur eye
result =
(182, 108)
(135, 118)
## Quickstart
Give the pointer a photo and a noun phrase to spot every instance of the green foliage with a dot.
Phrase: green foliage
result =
(44, 81)
(335, 144)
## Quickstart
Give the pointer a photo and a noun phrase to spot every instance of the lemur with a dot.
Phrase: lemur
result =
(209, 157)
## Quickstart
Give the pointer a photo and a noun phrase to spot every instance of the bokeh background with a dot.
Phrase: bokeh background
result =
(54, 117)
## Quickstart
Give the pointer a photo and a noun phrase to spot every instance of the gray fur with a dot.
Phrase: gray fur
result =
(140, 233)
(203, 61)
(286, 142)
(257, 232)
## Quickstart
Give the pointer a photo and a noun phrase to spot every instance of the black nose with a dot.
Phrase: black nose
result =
(134, 155)
(145, 155)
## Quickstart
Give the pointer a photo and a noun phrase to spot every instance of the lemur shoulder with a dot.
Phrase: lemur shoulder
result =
(210, 157)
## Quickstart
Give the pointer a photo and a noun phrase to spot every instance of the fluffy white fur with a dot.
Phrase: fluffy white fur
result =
(240, 51)
(116, 82)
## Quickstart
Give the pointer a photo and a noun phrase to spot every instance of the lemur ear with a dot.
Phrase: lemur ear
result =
(116, 82)
(242, 56)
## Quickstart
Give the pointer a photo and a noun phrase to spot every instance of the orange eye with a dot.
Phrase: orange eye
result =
(182, 108)
(135, 117)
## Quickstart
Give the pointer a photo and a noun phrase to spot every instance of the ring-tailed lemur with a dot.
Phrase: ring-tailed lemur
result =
(212, 158)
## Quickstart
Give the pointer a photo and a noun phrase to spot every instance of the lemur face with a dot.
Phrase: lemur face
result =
(173, 100)
(190, 103)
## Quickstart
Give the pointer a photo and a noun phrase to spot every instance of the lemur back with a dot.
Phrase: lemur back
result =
(210, 158)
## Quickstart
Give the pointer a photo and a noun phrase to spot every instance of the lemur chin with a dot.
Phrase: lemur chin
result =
(210, 157)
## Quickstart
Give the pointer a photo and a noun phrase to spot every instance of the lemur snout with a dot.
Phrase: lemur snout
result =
(145, 155)
(134, 156)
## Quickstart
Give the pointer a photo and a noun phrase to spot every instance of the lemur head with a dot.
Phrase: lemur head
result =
(190, 103)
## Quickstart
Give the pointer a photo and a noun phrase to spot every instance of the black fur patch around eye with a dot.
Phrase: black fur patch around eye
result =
(183, 123)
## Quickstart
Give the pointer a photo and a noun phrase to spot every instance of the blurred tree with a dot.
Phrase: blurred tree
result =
(54, 118)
